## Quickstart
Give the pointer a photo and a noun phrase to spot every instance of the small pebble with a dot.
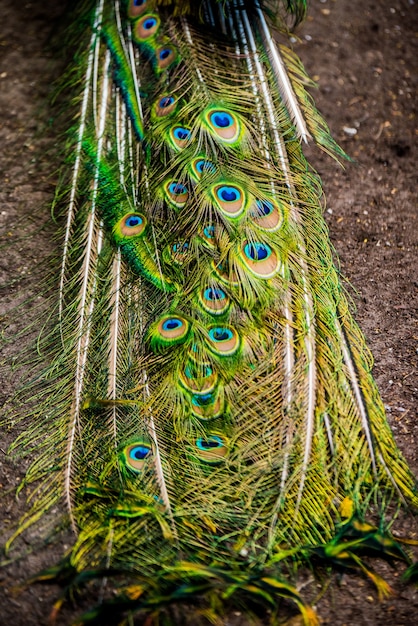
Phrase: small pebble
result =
(350, 131)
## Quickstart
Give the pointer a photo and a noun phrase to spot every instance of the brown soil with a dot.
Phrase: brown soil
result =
(363, 56)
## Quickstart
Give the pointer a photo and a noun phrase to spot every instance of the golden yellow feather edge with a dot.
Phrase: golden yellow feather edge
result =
(209, 415)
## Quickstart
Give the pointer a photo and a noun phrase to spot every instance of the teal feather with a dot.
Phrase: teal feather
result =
(214, 419)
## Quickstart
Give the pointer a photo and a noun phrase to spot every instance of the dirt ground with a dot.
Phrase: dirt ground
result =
(364, 57)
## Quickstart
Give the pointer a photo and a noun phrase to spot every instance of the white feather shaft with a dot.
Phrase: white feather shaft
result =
(114, 334)
(288, 352)
(254, 89)
(357, 392)
(329, 433)
(85, 308)
(76, 170)
(309, 337)
(158, 463)
(283, 82)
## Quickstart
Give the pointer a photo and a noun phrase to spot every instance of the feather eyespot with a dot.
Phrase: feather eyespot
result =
(180, 136)
(230, 199)
(199, 379)
(220, 334)
(204, 400)
(132, 224)
(177, 189)
(257, 251)
(165, 105)
(209, 231)
(180, 252)
(221, 119)
(208, 234)
(145, 28)
(150, 23)
(223, 340)
(180, 248)
(165, 57)
(229, 194)
(225, 274)
(136, 8)
(201, 166)
(211, 449)
(168, 331)
(172, 324)
(176, 193)
(223, 124)
(133, 221)
(263, 208)
(173, 328)
(260, 259)
(266, 215)
(207, 405)
(138, 453)
(214, 300)
(166, 102)
(214, 295)
(135, 455)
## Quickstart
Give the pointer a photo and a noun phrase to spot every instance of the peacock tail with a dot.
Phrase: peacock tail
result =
(209, 416)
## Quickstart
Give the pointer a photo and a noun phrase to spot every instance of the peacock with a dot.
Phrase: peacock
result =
(209, 416)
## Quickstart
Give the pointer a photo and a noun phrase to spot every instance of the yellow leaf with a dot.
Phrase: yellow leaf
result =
(347, 507)
(134, 591)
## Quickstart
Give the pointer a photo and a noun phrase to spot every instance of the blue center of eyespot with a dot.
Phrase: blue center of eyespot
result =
(228, 194)
(181, 248)
(257, 251)
(139, 452)
(209, 231)
(181, 133)
(133, 220)
(165, 53)
(177, 189)
(264, 207)
(150, 23)
(220, 334)
(209, 443)
(172, 324)
(214, 294)
(221, 119)
(205, 166)
(203, 400)
(139, 3)
(166, 102)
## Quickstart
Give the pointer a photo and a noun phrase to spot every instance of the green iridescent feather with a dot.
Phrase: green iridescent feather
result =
(210, 420)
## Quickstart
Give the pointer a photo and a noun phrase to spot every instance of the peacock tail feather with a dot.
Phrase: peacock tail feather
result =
(209, 416)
